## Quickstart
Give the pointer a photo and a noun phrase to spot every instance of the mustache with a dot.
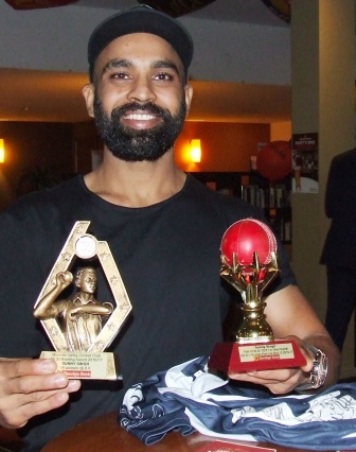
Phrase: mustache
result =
(149, 107)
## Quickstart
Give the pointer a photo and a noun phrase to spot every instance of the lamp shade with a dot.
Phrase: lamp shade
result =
(2, 150)
(195, 150)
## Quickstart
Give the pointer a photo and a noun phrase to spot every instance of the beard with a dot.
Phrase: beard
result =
(134, 145)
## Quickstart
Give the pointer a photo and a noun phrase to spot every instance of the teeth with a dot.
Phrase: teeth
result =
(139, 117)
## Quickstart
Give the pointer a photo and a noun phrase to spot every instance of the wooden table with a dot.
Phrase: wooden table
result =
(105, 435)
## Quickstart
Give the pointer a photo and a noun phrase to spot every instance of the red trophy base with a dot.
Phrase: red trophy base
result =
(237, 357)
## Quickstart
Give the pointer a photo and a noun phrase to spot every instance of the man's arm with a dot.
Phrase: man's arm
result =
(289, 314)
(45, 308)
(95, 309)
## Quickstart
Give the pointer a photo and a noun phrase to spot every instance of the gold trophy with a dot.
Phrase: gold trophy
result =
(249, 264)
(79, 326)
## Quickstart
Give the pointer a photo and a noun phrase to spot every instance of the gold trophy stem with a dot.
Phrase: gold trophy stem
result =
(254, 327)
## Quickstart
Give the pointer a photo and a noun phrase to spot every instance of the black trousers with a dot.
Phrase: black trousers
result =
(341, 301)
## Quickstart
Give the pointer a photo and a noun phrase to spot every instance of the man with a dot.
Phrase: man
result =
(164, 229)
(340, 245)
(80, 316)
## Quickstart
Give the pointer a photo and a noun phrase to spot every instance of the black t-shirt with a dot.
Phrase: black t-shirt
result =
(168, 257)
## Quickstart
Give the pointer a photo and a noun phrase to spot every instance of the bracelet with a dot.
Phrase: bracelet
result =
(319, 371)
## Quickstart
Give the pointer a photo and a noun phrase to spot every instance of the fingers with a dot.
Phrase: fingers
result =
(31, 387)
(15, 367)
(278, 381)
(21, 408)
(64, 278)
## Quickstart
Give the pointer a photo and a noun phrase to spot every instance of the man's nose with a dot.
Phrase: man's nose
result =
(142, 90)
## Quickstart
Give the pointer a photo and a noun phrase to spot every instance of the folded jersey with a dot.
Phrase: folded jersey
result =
(189, 398)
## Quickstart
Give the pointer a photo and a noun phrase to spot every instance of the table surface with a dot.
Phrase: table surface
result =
(106, 435)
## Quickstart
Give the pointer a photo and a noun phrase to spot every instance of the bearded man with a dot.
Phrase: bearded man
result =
(164, 229)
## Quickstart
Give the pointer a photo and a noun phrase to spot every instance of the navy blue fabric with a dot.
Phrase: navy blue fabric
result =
(153, 415)
(177, 400)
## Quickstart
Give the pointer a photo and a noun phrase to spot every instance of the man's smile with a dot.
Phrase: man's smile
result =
(139, 117)
(141, 120)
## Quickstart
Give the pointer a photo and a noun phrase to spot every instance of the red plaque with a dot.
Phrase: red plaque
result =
(234, 357)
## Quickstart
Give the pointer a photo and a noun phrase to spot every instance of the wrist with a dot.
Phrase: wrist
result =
(319, 371)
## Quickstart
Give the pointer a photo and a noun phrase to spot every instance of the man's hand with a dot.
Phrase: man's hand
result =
(279, 381)
(63, 279)
(29, 387)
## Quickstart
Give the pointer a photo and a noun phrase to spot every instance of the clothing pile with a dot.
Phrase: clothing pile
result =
(189, 398)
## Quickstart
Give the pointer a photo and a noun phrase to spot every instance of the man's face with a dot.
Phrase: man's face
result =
(88, 281)
(139, 102)
(131, 144)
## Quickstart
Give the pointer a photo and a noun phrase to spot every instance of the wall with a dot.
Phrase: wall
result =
(85, 140)
(225, 146)
(30, 146)
(56, 38)
(64, 149)
(281, 131)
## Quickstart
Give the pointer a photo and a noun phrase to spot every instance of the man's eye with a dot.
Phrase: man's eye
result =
(164, 76)
(119, 75)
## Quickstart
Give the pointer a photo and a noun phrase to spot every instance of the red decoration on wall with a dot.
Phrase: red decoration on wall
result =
(274, 161)
(34, 4)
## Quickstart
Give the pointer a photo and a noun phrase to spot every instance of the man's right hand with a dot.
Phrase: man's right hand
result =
(29, 387)
(63, 279)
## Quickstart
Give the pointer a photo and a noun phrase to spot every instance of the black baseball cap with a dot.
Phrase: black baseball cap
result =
(141, 19)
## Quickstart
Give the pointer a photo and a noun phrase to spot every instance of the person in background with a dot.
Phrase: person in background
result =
(164, 230)
(338, 254)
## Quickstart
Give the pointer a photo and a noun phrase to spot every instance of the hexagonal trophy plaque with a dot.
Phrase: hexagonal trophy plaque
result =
(79, 326)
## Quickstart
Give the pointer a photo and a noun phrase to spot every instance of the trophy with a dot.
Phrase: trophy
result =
(79, 326)
(249, 264)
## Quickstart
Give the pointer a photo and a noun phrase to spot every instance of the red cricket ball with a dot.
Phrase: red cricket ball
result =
(246, 237)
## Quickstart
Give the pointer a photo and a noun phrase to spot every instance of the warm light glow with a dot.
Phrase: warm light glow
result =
(195, 151)
(2, 150)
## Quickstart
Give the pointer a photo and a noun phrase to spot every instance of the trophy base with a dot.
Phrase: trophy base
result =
(84, 365)
(237, 357)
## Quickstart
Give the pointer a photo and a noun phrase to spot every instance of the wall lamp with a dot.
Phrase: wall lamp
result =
(2, 150)
(195, 151)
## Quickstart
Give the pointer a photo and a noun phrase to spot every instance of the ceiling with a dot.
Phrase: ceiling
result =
(248, 11)
(26, 98)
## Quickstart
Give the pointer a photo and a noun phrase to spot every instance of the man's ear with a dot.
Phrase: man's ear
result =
(188, 93)
(88, 93)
